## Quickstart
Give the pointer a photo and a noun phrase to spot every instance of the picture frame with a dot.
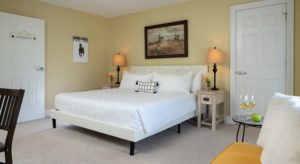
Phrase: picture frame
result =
(168, 40)
(80, 49)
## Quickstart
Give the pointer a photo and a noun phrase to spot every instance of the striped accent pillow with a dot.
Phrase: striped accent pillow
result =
(150, 87)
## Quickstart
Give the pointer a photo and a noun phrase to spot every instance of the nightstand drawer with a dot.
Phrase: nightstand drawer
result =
(206, 99)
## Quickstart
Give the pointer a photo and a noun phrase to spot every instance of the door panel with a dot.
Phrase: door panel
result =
(270, 54)
(261, 53)
(250, 49)
(22, 50)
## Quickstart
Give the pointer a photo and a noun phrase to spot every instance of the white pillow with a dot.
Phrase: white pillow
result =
(282, 145)
(196, 82)
(173, 83)
(129, 80)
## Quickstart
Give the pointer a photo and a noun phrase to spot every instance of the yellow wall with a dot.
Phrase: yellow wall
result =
(209, 26)
(297, 48)
(61, 24)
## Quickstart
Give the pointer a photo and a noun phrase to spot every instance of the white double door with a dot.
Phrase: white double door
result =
(22, 55)
(261, 55)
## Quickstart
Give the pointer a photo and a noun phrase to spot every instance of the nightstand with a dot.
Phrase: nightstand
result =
(110, 86)
(211, 98)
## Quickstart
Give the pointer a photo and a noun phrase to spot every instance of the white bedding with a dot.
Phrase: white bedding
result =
(127, 108)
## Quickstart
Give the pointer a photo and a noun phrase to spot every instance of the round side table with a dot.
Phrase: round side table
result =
(245, 122)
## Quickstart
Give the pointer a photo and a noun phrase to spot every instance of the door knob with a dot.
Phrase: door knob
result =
(39, 68)
(241, 73)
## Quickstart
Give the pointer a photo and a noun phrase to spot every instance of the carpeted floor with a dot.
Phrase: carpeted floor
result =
(36, 142)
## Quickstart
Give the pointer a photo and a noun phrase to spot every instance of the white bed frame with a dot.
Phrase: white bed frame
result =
(131, 135)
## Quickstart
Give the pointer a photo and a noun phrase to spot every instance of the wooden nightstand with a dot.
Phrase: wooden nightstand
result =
(211, 98)
(110, 86)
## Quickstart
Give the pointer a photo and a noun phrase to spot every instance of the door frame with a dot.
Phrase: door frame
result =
(289, 47)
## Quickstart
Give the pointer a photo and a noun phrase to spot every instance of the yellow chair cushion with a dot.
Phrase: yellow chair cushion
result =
(239, 153)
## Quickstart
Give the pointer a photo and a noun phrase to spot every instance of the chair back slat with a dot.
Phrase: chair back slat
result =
(8, 114)
(5, 114)
(4, 110)
(1, 100)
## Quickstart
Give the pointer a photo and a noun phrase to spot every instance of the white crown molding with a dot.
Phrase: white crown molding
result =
(112, 8)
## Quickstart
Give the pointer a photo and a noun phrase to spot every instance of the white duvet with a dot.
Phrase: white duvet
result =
(127, 108)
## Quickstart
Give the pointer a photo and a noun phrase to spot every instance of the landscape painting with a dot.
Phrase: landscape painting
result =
(167, 40)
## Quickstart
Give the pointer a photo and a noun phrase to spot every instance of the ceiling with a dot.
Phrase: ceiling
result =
(112, 8)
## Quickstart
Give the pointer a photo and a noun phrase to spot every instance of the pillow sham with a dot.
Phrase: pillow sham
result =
(149, 87)
(129, 80)
(196, 82)
(173, 83)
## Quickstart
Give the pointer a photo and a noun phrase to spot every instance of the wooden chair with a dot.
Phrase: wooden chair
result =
(10, 104)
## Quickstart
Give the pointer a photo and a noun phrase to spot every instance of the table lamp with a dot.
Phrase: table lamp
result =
(215, 56)
(118, 60)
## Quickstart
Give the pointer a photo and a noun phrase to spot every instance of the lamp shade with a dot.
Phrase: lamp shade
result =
(215, 56)
(119, 60)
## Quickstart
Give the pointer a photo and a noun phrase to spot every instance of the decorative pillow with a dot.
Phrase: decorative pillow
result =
(150, 87)
(282, 145)
(196, 82)
(129, 80)
(173, 83)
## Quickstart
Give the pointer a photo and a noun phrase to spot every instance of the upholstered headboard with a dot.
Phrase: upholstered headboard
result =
(175, 69)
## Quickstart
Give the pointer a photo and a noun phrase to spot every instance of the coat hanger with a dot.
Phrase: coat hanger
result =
(23, 35)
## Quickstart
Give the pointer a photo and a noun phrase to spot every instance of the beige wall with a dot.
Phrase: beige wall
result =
(61, 24)
(208, 27)
(297, 48)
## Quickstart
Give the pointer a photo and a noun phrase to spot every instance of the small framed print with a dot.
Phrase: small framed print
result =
(80, 49)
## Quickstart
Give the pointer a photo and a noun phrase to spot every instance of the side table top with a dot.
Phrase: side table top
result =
(247, 121)
(211, 92)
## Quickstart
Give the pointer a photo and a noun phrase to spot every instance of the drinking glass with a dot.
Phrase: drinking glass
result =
(247, 103)
(243, 102)
(251, 102)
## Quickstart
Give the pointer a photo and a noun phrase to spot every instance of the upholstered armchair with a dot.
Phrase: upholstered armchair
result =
(278, 141)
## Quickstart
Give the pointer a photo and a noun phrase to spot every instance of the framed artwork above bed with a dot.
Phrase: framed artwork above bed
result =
(168, 40)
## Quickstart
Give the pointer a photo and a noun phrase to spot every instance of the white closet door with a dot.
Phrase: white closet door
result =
(22, 54)
(261, 54)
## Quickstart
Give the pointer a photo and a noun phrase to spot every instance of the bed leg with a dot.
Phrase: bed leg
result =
(53, 123)
(132, 145)
(178, 128)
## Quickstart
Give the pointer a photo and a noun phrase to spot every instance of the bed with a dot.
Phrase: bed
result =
(127, 114)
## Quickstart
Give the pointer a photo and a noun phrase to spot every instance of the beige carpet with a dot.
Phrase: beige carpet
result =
(37, 143)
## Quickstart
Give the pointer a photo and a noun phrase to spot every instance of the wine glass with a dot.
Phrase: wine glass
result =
(247, 103)
(251, 102)
(243, 102)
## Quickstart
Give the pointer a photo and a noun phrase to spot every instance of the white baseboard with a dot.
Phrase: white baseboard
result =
(228, 120)
(47, 113)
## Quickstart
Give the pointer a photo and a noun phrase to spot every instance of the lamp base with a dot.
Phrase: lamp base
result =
(118, 69)
(215, 71)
